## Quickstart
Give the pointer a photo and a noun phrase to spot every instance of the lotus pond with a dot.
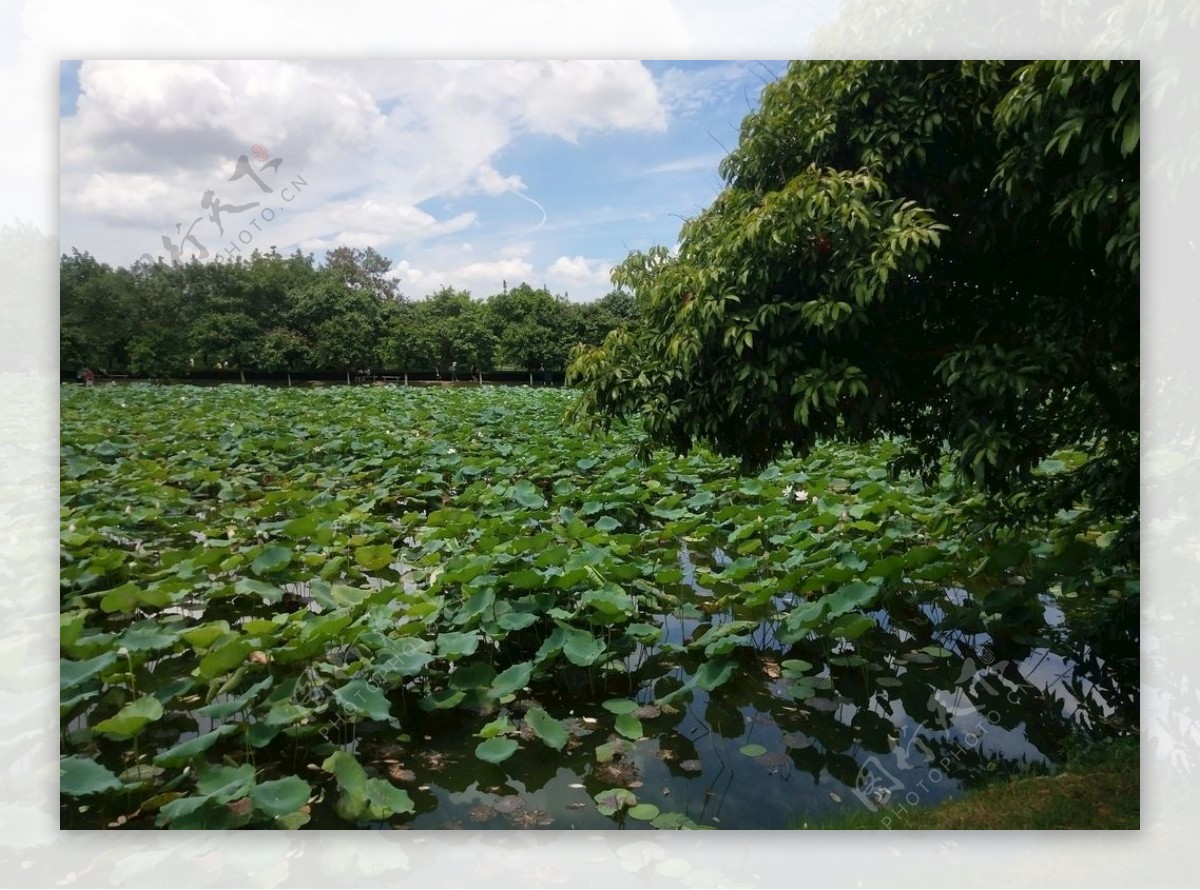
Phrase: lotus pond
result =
(382, 607)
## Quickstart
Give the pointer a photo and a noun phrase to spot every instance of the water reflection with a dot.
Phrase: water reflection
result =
(919, 706)
(910, 712)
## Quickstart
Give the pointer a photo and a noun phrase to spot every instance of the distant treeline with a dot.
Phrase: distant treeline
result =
(288, 314)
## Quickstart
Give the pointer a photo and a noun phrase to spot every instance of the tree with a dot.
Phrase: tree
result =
(157, 311)
(449, 328)
(283, 349)
(594, 320)
(532, 327)
(95, 313)
(942, 251)
(343, 323)
(362, 270)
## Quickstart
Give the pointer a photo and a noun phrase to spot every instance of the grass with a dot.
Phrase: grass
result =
(1098, 788)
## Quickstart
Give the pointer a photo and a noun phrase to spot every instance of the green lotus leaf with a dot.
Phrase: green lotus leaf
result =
(546, 728)
(79, 776)
(496, 750)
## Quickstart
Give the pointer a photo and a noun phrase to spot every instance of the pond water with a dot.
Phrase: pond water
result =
(844, 657)
(911, 712)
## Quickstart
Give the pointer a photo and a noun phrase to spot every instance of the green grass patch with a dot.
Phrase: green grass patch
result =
(1099, 788)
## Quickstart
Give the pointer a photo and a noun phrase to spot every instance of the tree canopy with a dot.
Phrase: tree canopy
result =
(942, 251)
(279, 314)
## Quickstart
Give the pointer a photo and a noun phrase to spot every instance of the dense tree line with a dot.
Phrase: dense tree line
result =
(290, 314)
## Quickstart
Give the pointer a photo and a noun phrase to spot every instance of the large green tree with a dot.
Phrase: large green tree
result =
(532, 327)
(944, 251)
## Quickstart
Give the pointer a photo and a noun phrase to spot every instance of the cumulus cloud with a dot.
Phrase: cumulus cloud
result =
(577, 273)
(147, 139)
(482, 279)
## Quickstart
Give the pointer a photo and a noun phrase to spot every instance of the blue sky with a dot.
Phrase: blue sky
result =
(463, 174)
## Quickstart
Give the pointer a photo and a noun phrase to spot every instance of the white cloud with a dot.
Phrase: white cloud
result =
(589, 278)
(482, 278)
(149, 138)
(577, 96)
(687, 90)
(489, 181)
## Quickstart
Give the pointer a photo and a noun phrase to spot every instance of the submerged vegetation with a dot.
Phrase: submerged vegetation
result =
(382, 606)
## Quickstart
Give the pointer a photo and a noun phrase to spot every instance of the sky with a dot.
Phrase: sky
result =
(467, 174)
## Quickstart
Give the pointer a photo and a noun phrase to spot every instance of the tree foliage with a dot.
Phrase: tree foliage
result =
(942, 251)
(288, 314)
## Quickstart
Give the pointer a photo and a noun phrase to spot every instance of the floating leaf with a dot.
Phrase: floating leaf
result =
(752, 750)
(496, 750)
(546, 728)
(497, 727)
(629, 726)
(671, 822)
(794, 667)
(620, 705)
(384, 799)
(607, 751)
(643, 812)
(610, 801)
